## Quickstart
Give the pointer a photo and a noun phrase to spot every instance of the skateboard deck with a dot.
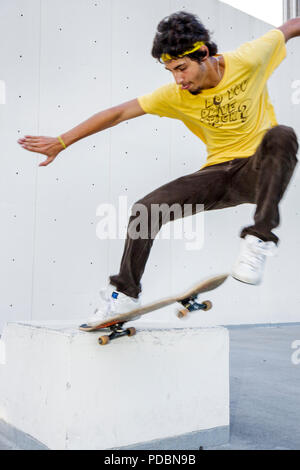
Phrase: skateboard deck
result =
(187, 299)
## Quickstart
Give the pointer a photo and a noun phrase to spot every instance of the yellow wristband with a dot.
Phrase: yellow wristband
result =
(62, 142)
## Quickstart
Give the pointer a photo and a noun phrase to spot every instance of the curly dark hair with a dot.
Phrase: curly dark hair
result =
(177, 34)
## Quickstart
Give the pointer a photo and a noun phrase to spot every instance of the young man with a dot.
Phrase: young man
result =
(223, 99)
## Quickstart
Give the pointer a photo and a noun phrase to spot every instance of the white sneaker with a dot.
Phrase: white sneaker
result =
(112, 303)
(251, 261)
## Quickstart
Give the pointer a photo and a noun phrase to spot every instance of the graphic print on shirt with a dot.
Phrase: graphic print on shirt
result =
(230, 106)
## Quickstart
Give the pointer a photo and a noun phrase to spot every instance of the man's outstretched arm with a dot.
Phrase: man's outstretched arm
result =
(51, 147)
(291, 29)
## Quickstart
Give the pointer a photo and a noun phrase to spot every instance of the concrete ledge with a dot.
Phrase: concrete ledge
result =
(13, 439)
(67, 392)
(191, 441)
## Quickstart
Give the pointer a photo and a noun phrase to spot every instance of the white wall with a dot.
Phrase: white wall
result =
(62, 62)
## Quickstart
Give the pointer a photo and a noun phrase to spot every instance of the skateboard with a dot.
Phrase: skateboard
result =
(188, 303)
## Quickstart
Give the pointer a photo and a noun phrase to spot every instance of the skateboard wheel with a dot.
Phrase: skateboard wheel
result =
(131, 331)
(103, 340)
(182, 313)
(208, 305)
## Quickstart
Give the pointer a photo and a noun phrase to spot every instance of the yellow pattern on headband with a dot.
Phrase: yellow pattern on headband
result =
(197, 46)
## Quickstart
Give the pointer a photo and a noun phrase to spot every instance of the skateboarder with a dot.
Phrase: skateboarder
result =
(223, 99)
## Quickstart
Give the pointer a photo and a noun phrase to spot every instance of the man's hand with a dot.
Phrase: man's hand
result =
(291, 29)
(49, 146)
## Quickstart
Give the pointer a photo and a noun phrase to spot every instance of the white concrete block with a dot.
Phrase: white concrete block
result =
(62, 388)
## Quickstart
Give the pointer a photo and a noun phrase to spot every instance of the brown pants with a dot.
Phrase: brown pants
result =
(261, 179)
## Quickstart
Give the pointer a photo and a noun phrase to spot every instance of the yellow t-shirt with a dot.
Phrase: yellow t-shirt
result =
(231, 118)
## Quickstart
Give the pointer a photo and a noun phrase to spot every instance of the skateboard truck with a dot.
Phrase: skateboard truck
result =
(117, 331)
(191, 305)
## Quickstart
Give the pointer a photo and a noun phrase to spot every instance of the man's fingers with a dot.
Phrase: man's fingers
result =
(46, 162)
(30, 138)
(32, 148)
(33, 143)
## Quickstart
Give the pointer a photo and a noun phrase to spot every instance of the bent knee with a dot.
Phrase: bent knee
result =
(281, 139)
